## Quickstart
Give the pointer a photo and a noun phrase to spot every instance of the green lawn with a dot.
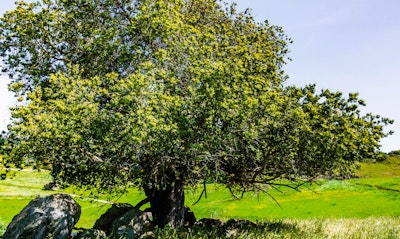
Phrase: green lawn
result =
(331, 199)
(375, 195)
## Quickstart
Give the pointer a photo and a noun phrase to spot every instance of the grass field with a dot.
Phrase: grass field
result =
(382, 227)
(329, 210)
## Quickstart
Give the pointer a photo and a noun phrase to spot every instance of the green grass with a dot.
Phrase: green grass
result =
(388, 169)
(331, 199)
(26, 179)
(370, 228)
(373, 197)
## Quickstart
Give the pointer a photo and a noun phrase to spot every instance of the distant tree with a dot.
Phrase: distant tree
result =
(162, 95)
(394, 153)
(2, 141)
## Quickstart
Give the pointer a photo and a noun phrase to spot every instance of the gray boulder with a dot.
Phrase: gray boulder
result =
(92, 234)
(106, 220)
(52, 216)
(131, 225)
(235, 226)
(209, 223)
(52, 186)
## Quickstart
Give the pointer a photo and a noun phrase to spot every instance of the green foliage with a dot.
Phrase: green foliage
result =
(151, 93)
(3, 141)
(394, 153)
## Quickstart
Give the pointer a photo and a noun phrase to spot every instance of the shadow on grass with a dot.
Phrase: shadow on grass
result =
(234, 228)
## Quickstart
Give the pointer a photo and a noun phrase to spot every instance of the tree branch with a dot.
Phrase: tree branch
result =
(141, 203)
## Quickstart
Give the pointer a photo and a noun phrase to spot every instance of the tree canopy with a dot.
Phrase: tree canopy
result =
(162, 95)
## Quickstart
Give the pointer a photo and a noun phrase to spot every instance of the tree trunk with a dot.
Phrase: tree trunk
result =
(167, 205)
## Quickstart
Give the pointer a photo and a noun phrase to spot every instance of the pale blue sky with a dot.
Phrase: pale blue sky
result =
(344, 45)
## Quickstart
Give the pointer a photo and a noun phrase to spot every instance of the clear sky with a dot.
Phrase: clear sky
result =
(343, 45)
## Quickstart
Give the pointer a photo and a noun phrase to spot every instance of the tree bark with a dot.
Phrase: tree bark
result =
(167, 205)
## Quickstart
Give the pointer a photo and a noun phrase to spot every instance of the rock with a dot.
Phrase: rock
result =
(148, 235)
(190, 219)
(189, 216)
(52, 216)
(234, 226)
(240, 224)
(106, 220)
(132, 225)
(92, 234)
(52, 186)
(209, 223)
(231, 233)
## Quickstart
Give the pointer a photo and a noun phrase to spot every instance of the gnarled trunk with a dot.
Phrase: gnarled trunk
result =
(167, 205)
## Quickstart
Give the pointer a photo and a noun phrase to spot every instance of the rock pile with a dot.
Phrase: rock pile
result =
(55, 216)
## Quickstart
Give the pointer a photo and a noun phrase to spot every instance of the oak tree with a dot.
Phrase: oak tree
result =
(162, 95)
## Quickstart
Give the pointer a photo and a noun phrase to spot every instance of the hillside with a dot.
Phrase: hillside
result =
(375, 194)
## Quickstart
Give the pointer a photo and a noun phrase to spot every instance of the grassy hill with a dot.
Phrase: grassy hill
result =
(375, 193)
(371, 199)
